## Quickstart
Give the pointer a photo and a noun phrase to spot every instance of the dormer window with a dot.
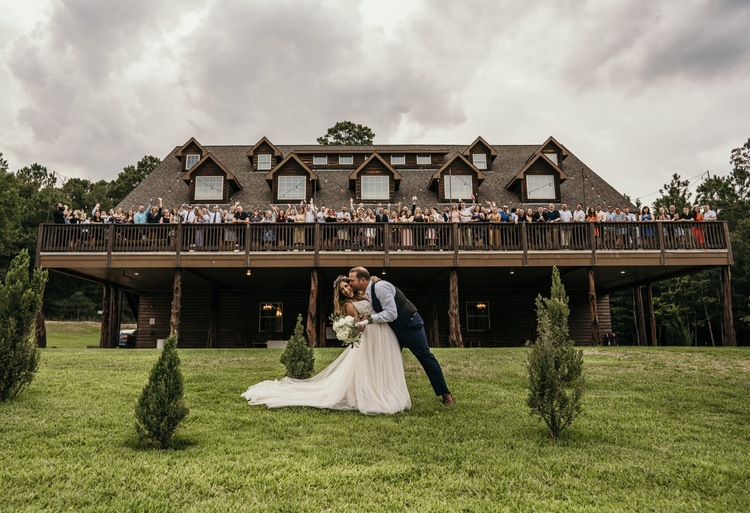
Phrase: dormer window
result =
(292, 188)
(191, 159)
(209, 188)
(398, 160)
(375, 188)
(320, 160)
(540, 187)
(479, 160)
(458, 187)
(264, 161)
(553, 157)
(346, 160)
(424, 160)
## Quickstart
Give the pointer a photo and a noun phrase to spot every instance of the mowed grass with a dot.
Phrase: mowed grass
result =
(665, 429)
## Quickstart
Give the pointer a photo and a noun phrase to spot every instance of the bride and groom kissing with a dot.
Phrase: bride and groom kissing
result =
(368, 377)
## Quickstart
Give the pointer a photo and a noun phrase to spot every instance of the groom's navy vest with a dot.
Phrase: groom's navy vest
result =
(405, 309)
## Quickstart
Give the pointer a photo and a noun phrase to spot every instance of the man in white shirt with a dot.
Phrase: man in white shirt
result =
(709, 214)
(566, 216)
(392, 306)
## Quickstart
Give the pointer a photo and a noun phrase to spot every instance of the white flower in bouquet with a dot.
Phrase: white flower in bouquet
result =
(347, 331)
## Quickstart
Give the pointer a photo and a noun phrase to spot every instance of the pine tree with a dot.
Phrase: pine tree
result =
(161, 406)
(556, 382)
(298, 357)
(20, 301)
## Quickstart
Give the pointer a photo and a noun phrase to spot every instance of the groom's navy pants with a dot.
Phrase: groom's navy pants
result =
(414, 338)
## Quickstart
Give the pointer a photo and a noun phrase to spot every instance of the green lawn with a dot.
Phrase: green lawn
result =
(665, 429)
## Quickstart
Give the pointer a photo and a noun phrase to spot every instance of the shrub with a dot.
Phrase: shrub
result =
(556, 381)
(20, 301)
(161, 406)
(298, 357)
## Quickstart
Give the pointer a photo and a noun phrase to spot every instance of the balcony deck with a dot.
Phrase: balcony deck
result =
(135, 257)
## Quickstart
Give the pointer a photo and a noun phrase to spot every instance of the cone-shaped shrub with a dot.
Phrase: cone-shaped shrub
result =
(20, 301)
(556, 382)
(161, 406)
(298, 357)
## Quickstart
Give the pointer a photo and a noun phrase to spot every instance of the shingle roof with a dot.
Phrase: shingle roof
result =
(583, 184)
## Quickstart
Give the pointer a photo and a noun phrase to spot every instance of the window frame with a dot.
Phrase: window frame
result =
(423, 157)
(472, 316)
(531, 189)
(553, 156)
(320, 160)
(191, 156)
(199, 191)
(478, 165)
(364, 178)
(396, 157)
(275, 321)
(289, 199)
(264, 165)
(342, 157)
(447, 185)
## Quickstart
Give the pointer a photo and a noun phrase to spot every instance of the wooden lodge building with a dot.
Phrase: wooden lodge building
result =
(243, 285)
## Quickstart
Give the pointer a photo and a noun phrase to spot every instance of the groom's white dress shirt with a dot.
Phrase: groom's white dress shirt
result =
(387, 298)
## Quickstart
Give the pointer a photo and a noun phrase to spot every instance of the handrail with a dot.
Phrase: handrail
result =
(182, 239)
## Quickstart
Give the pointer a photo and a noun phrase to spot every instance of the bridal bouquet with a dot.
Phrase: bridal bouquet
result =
(346, 331)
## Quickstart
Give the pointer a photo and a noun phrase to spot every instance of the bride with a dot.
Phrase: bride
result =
(369, 377)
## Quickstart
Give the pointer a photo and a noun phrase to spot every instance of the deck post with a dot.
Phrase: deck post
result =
(454, 336)
(640, 316)
(40, 331)
(651, 316)
(312, 311)
(729, 336)
(595, 338)
(174, 320)
(213, 320)
(433, 336)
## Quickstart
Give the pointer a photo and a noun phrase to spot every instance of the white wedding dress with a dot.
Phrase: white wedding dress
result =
(369, 378)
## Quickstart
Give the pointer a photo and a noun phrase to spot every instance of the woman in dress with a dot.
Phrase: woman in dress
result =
(368, 377)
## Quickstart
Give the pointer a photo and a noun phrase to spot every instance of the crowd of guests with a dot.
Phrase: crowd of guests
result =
(459, 212)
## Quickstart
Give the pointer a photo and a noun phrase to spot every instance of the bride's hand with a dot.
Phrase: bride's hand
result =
(374, 279)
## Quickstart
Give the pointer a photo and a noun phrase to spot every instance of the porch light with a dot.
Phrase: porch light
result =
(481, 306)
(512, 272)
(248, 273)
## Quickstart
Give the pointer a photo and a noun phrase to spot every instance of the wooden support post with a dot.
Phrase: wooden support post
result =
(640, 316)
(454, 336)
(213, 321)
(652, 316)
(116, 316)
(595, 337)
(434, 334)
(133, 302)
(40, 331)
(729, 336)
(312, 311)
(174, 320)
(104, 331)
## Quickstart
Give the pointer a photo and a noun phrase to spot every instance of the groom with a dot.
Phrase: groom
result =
(392, 306)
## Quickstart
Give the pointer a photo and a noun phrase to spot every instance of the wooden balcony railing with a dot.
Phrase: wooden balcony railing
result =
(383, 237)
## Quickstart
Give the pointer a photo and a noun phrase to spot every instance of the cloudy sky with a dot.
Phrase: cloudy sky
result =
(638, 89)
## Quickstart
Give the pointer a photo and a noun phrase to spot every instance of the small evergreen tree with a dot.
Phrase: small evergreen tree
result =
(556, 381)
(161, 406)
(298, 357)
(20, 301)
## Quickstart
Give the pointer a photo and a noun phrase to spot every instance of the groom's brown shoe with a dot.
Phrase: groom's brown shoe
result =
(447, 399)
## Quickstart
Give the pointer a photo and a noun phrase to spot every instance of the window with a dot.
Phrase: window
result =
(458, 187)
(320, 160)
(477, 316)
(479, 160)
(292, 188)
(398, 160)
(271, 317)
(209, 188)
(552, 157)
(424, 160)
(191, 159)
(540, 187)
(375, 188)
(264, 161)
(346, 160)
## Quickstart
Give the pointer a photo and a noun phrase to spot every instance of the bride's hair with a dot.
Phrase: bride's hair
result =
(340, 300)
